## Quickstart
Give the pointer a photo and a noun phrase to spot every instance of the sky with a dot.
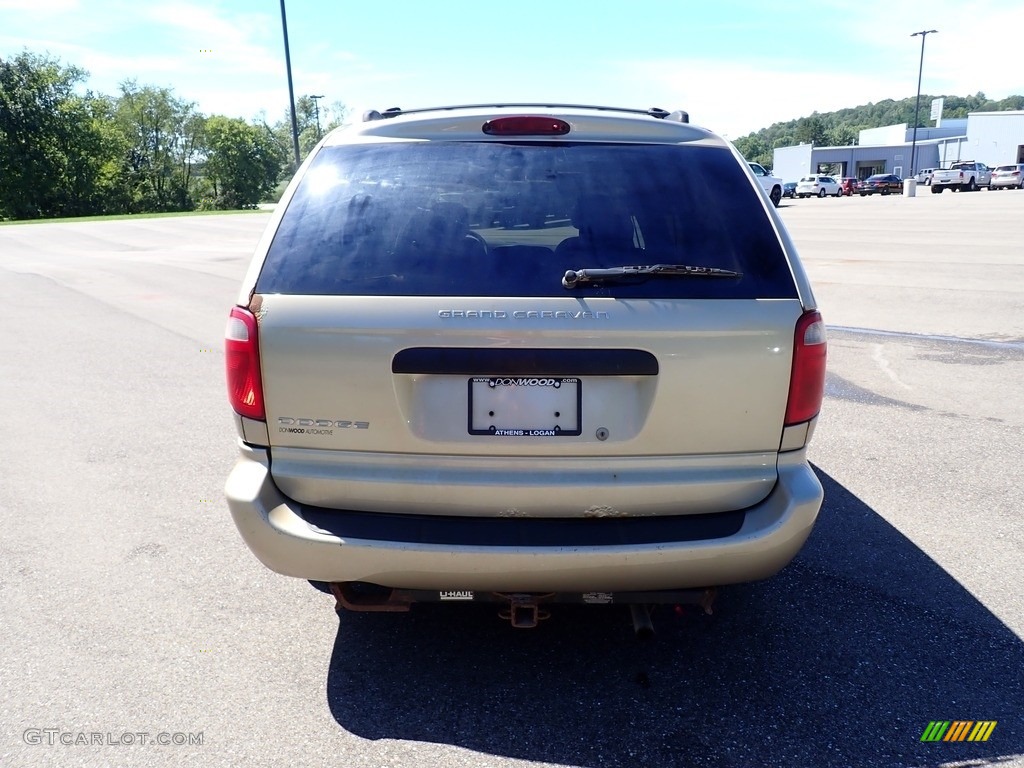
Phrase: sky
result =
(735, 65)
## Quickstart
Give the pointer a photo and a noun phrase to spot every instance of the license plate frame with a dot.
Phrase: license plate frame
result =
(525, 406)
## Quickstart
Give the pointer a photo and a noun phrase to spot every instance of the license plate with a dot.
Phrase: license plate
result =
(525, 406)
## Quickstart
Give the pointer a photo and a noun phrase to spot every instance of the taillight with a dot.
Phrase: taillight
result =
(242, 358)
(807, 382)
(526, 125)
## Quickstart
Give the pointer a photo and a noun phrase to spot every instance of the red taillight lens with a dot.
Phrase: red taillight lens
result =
(242, 358)
(526, 125)
(807, 383)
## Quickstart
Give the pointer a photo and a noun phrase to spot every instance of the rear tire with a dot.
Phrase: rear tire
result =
(972, 186)
(936, 190)
(822, 193)
(776, 196)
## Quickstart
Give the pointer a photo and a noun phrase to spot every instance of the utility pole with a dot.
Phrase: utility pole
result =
(291, 90)
(316, 108)
(917, 104)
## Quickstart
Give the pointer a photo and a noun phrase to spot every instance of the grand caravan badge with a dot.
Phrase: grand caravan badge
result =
(521, 314)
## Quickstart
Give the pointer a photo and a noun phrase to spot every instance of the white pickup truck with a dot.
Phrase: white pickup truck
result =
(772, 185)
(965, 175)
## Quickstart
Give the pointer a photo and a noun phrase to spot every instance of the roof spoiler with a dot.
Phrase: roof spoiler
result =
(679, 116)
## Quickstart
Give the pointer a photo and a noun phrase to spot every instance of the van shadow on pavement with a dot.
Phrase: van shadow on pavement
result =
(840, 660)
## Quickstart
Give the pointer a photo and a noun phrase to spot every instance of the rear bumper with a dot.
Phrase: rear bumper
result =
(425, 552)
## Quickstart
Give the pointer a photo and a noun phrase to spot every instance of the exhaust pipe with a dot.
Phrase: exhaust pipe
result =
(355, 596)
(642, 625)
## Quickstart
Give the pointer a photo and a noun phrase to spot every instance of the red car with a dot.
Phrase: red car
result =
(882, 183)
(847, 185)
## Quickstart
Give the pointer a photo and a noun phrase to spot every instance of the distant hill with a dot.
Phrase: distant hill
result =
(840, 128)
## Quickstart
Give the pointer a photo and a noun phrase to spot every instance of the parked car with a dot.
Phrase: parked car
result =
(789, 189)
(924, 176)
(818, 186)
(882, 183)
(962, 176)
(433, 406)
(1008, 177)
(772, 185)
(848, 185)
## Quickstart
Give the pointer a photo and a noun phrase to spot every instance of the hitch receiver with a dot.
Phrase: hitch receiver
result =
(523, 611)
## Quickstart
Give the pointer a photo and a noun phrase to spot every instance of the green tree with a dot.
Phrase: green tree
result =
(755, 150)
(306, 121)
(333, 116)
(163, 136)
(812, 130)
(841, 135)
(54, 156)
(243, 162)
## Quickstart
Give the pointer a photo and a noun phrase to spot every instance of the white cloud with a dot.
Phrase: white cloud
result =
(877, 60)
(239, 44)
(736, 99)
(968, 54)
(38, 6)
(233, 62)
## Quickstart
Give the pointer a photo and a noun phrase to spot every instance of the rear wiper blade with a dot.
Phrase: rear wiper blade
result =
(574, 277)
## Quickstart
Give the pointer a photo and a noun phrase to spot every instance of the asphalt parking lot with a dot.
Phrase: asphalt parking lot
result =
(131, 608)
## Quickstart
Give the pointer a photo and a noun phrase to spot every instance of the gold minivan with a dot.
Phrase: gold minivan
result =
(524, 353)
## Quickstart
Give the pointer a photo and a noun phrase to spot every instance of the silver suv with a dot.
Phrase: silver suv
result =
(524, 353)
(1008, 177)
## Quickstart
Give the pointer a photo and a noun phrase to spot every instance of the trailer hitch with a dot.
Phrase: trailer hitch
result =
(523, 611)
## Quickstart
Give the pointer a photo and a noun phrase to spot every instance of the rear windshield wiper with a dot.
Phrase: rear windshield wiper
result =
(574, 277)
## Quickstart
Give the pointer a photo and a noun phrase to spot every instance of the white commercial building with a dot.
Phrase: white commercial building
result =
(993, 138)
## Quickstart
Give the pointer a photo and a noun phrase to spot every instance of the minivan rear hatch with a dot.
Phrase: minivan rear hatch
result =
(423, 348)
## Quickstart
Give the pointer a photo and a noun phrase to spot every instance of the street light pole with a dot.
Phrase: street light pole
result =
(291, 90)
(316, 108)
(917, 104)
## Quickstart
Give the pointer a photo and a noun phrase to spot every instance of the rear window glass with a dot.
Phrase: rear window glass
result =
(507, 219)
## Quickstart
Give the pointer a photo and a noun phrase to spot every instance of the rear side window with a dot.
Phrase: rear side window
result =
(507, 219)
